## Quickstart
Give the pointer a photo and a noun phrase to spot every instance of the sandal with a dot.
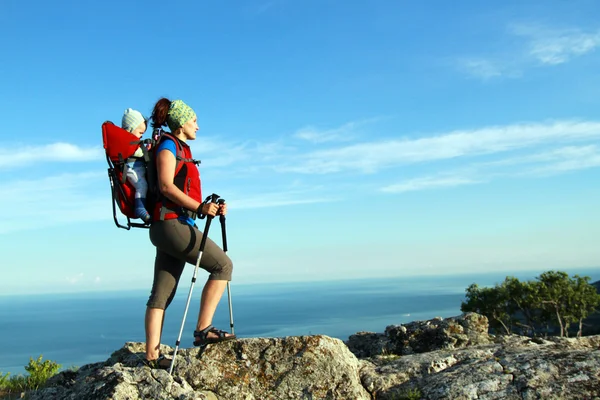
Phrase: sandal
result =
(161, 362)
(202, 338)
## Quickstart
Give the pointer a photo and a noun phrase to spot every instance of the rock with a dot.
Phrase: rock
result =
(306, 367)
(532, 372)
(127, 379)
(451, 358)
(515, 367)
(369, 344)
(422, 336)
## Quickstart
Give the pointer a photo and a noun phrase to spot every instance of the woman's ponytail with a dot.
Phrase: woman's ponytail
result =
(159, 114)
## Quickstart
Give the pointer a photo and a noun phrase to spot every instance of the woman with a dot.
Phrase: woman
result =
(175, 235)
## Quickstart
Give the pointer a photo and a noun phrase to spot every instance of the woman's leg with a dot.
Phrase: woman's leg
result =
(211, 295)
(215, 261)
(153, 324)
(167, 271)
(184, 240)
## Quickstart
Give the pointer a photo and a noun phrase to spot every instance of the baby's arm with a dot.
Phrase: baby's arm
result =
(139, 152)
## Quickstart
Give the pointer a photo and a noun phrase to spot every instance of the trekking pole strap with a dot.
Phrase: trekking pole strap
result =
(208, 221)
(209, 199)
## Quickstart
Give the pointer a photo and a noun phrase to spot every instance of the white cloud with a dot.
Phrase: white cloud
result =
(553, 46)
(215, 153)
(541, 164)
(84, 197)
(74, 279)
(256, 170)
(370, 157)
(54, 200)
(314, 135)
(57, 152)
(81, 280)
(544, 163)
(46, 187)
(547, 156)
(539, 46)
(344, 133)
(482, 68)
(265, 6)
(430, 182)
(569, 159)
(280, 199)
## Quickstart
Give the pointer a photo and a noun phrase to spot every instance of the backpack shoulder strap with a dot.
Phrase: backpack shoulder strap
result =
(178, 151)
(179, 157)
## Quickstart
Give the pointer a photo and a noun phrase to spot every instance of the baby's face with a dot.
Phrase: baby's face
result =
(139, 131)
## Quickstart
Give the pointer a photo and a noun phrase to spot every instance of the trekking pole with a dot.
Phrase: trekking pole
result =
(210, 199)
(224, 234)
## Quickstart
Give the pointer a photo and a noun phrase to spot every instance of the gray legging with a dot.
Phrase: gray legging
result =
(177, 243)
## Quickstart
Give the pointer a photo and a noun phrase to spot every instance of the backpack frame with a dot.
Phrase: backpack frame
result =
(119, 146)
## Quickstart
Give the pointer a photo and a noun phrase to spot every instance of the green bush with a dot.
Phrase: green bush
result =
(11, 385)
(537, 306)
(408, 394)
(4, 379)
(18, 384)
(39, 372)
(413, 394)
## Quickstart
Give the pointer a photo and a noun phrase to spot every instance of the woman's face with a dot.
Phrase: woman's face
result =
(190, 128)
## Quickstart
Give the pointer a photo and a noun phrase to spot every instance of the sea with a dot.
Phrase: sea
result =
(83, 328)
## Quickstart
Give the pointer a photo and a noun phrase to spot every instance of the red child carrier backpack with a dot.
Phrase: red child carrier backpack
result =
(119, 145)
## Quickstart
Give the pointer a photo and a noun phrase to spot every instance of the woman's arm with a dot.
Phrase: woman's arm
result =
(166, 163)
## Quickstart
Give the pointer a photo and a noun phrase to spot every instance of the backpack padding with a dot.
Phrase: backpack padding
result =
(179, 159)
(118, 143)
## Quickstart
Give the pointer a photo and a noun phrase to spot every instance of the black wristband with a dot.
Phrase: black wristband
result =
(199, 211)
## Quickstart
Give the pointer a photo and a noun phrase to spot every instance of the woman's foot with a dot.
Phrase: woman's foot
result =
(210, 334)
(161, 362)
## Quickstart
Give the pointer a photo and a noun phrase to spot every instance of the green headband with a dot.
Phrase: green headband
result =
(179, 114)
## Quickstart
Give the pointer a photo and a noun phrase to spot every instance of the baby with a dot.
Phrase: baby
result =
(135, 123)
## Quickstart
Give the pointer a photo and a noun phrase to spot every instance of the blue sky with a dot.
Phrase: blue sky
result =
(351, 139)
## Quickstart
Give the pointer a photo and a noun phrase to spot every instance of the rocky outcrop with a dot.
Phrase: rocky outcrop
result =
(422, 336)
(455, 358)
(306, 367)
(515, 368)
(450, 358)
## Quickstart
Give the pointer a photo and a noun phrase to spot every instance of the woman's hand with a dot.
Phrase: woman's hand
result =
(223, 209)
(210, 209)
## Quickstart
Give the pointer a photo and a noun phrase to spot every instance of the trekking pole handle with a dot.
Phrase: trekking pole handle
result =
(205, 235)
(223, 230)
(209, 199)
